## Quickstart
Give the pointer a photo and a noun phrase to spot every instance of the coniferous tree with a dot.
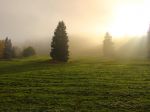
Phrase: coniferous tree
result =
(7, 49)
(108, 46)
(59, 45)
(148, 43)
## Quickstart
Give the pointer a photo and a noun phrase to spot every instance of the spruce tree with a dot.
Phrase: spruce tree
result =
(59, 45)
(108, 47)
(7, 49)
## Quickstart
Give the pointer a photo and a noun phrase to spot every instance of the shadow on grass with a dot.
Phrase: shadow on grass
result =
(31, 65)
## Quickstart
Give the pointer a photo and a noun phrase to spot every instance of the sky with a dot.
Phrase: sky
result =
(24, 20)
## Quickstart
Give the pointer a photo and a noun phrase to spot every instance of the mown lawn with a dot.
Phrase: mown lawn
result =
(85, 85)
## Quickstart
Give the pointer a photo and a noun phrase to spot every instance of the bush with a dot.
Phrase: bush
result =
(29, 51)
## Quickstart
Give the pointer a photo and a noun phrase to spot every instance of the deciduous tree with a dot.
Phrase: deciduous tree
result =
(29, 51)
(1, 49)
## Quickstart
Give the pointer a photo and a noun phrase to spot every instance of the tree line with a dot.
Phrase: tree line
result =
(8, 51)
(59, 46)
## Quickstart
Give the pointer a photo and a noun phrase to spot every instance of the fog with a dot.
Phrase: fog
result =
(32, 23)
(81, 47)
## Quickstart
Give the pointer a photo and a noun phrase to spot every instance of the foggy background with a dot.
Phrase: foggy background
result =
(32, 23)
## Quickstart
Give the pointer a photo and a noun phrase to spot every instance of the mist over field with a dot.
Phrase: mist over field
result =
(74, 56)
(32, 23)
(126, 47)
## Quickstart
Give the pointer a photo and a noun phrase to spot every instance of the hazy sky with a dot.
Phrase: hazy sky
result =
(27, 19)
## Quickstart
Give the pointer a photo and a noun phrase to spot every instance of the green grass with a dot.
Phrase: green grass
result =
(85, 85)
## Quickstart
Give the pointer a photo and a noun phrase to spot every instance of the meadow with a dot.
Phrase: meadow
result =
(81, 85)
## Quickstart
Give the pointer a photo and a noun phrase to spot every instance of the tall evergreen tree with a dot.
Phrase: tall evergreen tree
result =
(148, 43)
(108, 46)
(7, 49)
(59, 45)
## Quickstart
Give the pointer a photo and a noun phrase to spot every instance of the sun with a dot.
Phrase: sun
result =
(130, 19)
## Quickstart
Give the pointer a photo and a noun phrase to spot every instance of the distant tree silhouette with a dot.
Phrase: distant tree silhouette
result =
(14, 52)
(2, 43)
(108, 46)
(7, 49)
(148, 43)
(29, 51)
(59, 45)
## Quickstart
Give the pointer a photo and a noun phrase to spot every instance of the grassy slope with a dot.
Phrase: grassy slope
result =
(95, 85)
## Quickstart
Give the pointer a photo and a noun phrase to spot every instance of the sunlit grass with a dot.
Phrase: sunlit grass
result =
(87, 85)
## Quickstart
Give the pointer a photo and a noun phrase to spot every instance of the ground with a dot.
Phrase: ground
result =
(82, 85)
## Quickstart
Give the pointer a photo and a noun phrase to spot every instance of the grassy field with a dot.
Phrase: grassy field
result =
(85, 85)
